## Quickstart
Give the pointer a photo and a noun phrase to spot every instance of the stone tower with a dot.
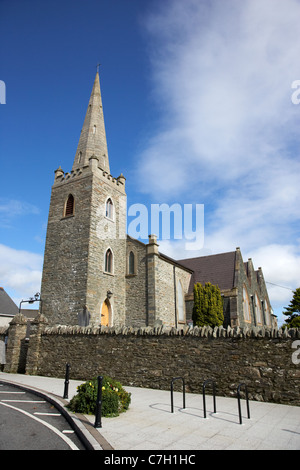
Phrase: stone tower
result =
(83, 278)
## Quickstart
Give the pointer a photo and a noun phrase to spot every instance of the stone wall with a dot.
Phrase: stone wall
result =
(152, 291)
(150, 357)
(16, 351)
(106, 233)
(136, 285)
(256, 286)
(64, 281)
(167, 277)
(74, 279)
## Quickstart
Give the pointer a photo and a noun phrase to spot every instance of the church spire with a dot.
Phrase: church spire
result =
(92, 140)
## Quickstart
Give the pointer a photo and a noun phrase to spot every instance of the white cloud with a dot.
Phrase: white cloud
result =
(20, 272)
(12, 208)
(228, 137)
(281, 268)
(222, 73)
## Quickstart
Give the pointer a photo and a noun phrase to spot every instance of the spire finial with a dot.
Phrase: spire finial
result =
(97, 67)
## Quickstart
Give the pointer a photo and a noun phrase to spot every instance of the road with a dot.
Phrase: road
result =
(28, 422)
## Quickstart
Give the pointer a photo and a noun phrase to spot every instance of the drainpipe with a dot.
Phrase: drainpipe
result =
(175, 302)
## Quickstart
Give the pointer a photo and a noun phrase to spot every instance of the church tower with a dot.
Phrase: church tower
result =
(83, 280)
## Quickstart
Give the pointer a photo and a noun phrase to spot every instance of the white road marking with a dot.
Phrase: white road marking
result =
(46, 414)
(15, 393)
(22, 401)
(56, 431)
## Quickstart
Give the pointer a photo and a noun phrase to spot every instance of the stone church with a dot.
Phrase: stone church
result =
(94, 273)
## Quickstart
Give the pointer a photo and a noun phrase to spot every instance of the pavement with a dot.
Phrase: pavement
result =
(149, 424)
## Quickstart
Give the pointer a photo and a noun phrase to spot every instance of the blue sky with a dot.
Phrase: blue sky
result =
(197, 106)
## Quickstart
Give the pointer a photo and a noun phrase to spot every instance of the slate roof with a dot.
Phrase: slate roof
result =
(218, 269)
(7, 305)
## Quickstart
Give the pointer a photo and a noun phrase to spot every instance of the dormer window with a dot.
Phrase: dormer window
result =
(69, 206)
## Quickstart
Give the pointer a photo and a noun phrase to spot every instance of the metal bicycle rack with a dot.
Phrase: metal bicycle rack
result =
(214, 395)
(172, 388)
(239, 401)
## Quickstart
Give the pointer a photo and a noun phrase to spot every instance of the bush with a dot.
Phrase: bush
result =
(208, 305)
(115, 399)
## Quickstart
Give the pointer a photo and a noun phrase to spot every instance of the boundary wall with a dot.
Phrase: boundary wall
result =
(150, 357)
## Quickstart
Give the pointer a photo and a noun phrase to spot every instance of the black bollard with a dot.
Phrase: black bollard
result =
(98, 423)
(66, 390)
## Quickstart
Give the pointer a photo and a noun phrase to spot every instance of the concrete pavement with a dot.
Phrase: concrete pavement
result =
(150, 425)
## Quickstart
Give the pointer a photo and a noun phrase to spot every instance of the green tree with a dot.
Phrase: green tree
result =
(208, 305)
(293, 310)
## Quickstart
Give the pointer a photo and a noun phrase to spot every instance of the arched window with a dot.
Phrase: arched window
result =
(267, 313)
(258, 309)
(69, 207)
(108, 261)
(246, 305)
(131, 266)
(94, 129)
(109, 209)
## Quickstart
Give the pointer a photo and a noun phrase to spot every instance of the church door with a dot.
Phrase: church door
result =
(105, 313)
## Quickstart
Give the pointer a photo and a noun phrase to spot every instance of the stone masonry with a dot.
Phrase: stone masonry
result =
(150, 357)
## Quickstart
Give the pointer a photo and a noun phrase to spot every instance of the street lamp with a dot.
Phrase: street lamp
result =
(31, 300)
(109, 294)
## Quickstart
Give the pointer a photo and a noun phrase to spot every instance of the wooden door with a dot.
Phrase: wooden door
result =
(105, 314)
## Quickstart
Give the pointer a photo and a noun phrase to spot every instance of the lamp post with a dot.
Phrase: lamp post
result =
(35, 298)
(109, 294)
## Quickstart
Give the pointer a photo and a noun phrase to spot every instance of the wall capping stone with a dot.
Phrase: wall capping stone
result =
(203, 332)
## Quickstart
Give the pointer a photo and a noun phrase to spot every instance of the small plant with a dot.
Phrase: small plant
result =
(115, 399)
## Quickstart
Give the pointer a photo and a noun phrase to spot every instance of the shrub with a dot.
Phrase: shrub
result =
(208, 305)
(115, 399)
